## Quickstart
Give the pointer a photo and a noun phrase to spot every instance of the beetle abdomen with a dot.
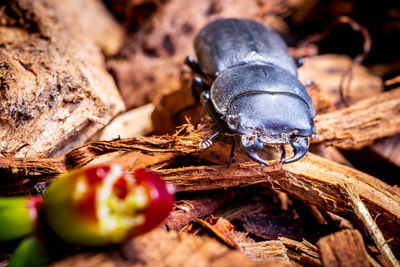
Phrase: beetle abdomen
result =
(226, 43)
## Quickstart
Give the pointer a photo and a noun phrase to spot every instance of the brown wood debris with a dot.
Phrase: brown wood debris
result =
(187, 210)
(161, 248)
(312, 179)
(361, 123)
(55, 90)
(345, 248)
(326, 72)
(221, 228)
(303, 252)
(370, 225)
(272, 249)
(389, 149)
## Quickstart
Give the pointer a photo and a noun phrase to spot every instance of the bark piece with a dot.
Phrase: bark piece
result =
(329, 152)
(303, 253)
(55, 91)
(361, 123)
(187, 210)
(326, 71)
(344, 248)
(388, 148)
(135, 122)
(303, 247)
(221, 228)
(161, 248)
(271, 227)
(271, 249)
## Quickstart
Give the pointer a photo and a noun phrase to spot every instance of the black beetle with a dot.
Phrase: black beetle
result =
(254, 89)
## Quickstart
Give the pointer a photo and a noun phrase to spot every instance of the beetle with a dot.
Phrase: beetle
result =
(248, 85)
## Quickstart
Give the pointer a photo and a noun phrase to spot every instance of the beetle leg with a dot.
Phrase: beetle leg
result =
(300, 146)
(251, 145)
(232, 155)
(209, 141)
(283, 155)
(198, 86)
(194, 66)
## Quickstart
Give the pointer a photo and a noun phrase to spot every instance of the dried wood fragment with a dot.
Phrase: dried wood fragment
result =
(326, 72)
(388, 148)
(271, 249)
(187, 210)
(184, 143)
(221, 228)
(161, 248)
(345, 248)
(55, 90)
(364, 215)
(304, 246)
(341, 222)
(271, 227)
(329, 152)
(361, 123)
(135, 122)
(302, 252)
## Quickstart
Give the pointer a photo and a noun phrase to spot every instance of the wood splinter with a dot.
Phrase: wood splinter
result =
(369, 223)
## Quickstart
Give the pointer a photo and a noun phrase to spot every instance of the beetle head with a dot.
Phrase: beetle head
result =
(271, 119)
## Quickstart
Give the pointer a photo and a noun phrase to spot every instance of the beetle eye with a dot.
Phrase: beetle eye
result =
(232, 121)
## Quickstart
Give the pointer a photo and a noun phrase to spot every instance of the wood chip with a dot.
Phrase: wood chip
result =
(345, 248)
(271, 249)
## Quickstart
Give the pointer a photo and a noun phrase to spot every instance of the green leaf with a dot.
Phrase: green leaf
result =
(30, 252)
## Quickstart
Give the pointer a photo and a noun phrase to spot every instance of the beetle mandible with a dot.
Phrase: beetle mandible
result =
(249, 86)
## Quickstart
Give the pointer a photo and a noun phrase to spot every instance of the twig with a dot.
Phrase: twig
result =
(373, 229)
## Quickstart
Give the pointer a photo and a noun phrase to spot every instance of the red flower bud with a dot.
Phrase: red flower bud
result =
(101, 205)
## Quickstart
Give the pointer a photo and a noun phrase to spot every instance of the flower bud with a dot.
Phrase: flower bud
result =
(102, 205)
(18, 216)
